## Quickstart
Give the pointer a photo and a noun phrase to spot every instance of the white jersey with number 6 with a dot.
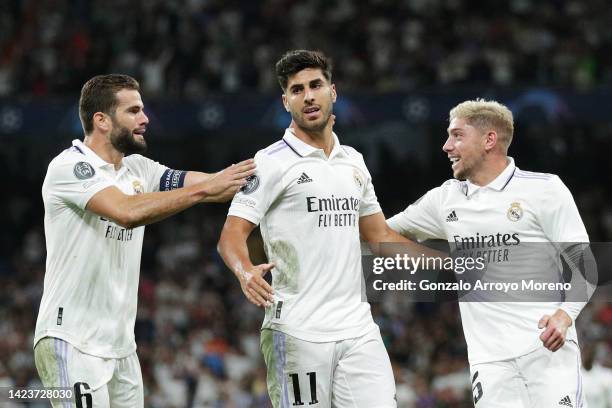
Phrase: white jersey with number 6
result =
(93, 264)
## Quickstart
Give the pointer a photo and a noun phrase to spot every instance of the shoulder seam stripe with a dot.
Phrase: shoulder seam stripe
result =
(533, 173)
(345, 149)
(533, 177)
(278, 149)
(273, 146)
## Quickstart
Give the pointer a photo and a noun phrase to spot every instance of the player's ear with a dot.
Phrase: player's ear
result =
(101, 121)
(491, 140)
(334, 93)
(285, 103)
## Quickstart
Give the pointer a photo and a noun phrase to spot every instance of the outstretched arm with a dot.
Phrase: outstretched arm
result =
(195, 177)
(131, 211)
(233, 249)
(375, 231)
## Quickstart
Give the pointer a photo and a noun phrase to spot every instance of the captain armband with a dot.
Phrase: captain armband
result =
(172, 179)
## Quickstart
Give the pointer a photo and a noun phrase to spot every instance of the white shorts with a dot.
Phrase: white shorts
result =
(540, 379)
(352, 373)
(97, 382)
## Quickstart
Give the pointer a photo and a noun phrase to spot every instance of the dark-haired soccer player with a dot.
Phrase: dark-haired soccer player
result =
(312, 198)
(97, 202)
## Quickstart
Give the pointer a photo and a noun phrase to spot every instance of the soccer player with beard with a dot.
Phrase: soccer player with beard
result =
(312, 198)
(98, 195)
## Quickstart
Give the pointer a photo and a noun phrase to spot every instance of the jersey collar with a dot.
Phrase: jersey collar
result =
(303, 149)
(90, 154)
(499, 183)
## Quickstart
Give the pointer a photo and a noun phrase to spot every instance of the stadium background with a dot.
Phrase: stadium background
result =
(206, 70)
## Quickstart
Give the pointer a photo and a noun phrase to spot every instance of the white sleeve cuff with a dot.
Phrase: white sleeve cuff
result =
(573, 309)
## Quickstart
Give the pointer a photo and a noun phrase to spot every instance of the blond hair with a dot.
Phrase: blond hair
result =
(486, 115)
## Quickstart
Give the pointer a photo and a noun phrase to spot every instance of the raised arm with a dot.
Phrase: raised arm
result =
(233, 249)
(131, 211)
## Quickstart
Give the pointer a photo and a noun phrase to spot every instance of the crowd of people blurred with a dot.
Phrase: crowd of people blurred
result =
(188, 48)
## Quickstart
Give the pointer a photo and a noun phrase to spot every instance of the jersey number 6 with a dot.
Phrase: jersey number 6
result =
(477, 389)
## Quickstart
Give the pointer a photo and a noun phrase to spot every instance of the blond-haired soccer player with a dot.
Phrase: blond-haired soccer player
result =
(521, 354)
(98, 196)
(312, 197)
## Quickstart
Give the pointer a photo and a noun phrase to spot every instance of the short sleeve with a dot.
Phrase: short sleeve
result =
(559, 216)
(421, 219)
(74, 182)
(262, 189)
(156, 175)
(369, 202)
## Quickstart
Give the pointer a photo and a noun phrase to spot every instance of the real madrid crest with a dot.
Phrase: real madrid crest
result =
(357, 178)
(138, 188)
(515, 212)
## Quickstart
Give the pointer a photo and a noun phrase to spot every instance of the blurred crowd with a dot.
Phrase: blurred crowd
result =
(190, 47)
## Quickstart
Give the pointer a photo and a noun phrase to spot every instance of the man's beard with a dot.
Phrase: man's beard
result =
(470, 168)
(124, 141)
(310, 126)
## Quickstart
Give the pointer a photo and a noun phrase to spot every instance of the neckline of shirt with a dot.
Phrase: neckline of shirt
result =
(304, 149)
(499, 183)
(95, 159)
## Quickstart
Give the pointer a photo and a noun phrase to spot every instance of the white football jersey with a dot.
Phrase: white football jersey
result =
(517, 207)
(93, 265)
(308, 207)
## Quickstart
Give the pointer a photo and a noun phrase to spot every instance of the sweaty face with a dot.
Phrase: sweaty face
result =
(465, 148)
(129, 123)
(309, 98)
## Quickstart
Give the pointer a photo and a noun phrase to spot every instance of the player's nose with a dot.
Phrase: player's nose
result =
(309, 95)
(448, 145)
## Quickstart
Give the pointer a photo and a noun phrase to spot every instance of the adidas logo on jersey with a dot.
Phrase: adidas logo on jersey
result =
(452, 217)
(304, 179)
(566, 401)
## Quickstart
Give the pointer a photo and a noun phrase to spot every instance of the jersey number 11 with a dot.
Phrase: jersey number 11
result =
(296, 389)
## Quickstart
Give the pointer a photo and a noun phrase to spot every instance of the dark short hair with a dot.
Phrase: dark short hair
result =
(99, 95)
(296, 60)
